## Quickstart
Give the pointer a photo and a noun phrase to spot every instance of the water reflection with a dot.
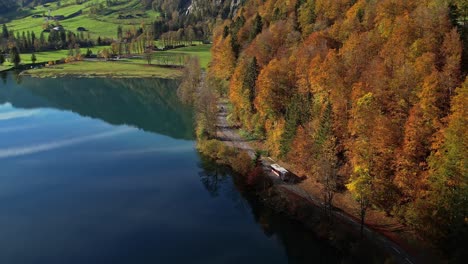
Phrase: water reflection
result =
(149, 104)
(212, 176)
(325, 241)
(86, 191)
(3, 76)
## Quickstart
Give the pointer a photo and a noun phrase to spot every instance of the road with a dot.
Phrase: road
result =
(230, 137)
(228, 134)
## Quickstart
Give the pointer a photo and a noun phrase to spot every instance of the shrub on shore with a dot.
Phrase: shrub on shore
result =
(238, 160)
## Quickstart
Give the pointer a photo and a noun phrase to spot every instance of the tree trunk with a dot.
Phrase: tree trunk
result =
(363, 216)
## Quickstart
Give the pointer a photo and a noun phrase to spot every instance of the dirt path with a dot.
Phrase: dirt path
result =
(230, 137)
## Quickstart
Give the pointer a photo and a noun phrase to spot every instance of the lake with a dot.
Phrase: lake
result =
(106, 171)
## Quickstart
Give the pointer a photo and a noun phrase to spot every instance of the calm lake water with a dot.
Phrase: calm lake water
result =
(105, 171)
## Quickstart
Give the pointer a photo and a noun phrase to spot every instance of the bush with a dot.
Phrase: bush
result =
(69, 59)
(210, 148)
(242, 163)
(225, 154)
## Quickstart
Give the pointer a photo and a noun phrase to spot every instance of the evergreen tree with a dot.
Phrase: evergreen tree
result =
(42, 41)
(250, 78)
(225, 32)
(33, 58)
(119, 32)
(63, 37)
(257, 26)
(15, 56)
(29, 40)
(296, 114)
(33, 39)
(5, 33)
(24, 42)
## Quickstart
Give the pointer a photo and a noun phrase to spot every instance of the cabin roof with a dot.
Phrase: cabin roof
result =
(279, 168)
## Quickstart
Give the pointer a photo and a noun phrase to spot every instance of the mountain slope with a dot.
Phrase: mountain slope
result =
(352, 92)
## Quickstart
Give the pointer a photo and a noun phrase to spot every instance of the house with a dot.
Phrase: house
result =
(58, 28)
(279, 171)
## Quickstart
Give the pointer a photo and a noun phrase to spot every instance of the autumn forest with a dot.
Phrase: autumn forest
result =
(371, 94)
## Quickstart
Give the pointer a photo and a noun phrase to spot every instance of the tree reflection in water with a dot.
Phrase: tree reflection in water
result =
(212, 175)
(322, 242)
(3, 76)
(148, 104)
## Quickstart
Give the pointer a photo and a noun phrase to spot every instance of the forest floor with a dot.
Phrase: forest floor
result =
(381, 229)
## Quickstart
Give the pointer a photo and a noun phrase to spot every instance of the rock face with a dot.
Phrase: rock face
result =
(234, 6)
(223, 8)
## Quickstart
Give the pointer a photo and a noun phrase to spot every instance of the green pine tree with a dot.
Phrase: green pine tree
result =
(15, 56)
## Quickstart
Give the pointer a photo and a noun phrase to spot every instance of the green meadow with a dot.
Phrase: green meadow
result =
(134, 67)
(103, 24)
(4, 68)
(201, 51)
(120, 69)
(47, 56)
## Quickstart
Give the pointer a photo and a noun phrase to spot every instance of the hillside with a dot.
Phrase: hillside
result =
(98, 18)
(366, 97)
(101, 17)
(54, 30)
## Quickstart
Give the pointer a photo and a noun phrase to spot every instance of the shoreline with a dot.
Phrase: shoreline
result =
(125, 67)
(91, 76)
(6, 69)
(394, 244)
(104, 69)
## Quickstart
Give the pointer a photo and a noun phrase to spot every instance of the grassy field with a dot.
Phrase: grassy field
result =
(201, 51)
(104, 25)
(105, 69)
(47, 56)
(4, 68)
(135, 67)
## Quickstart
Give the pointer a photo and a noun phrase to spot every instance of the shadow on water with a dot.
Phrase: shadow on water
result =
(322, 241)
(152, 105)
(3, 76)
(149, 104)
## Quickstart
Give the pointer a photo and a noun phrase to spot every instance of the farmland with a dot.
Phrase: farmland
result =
(98, 22)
